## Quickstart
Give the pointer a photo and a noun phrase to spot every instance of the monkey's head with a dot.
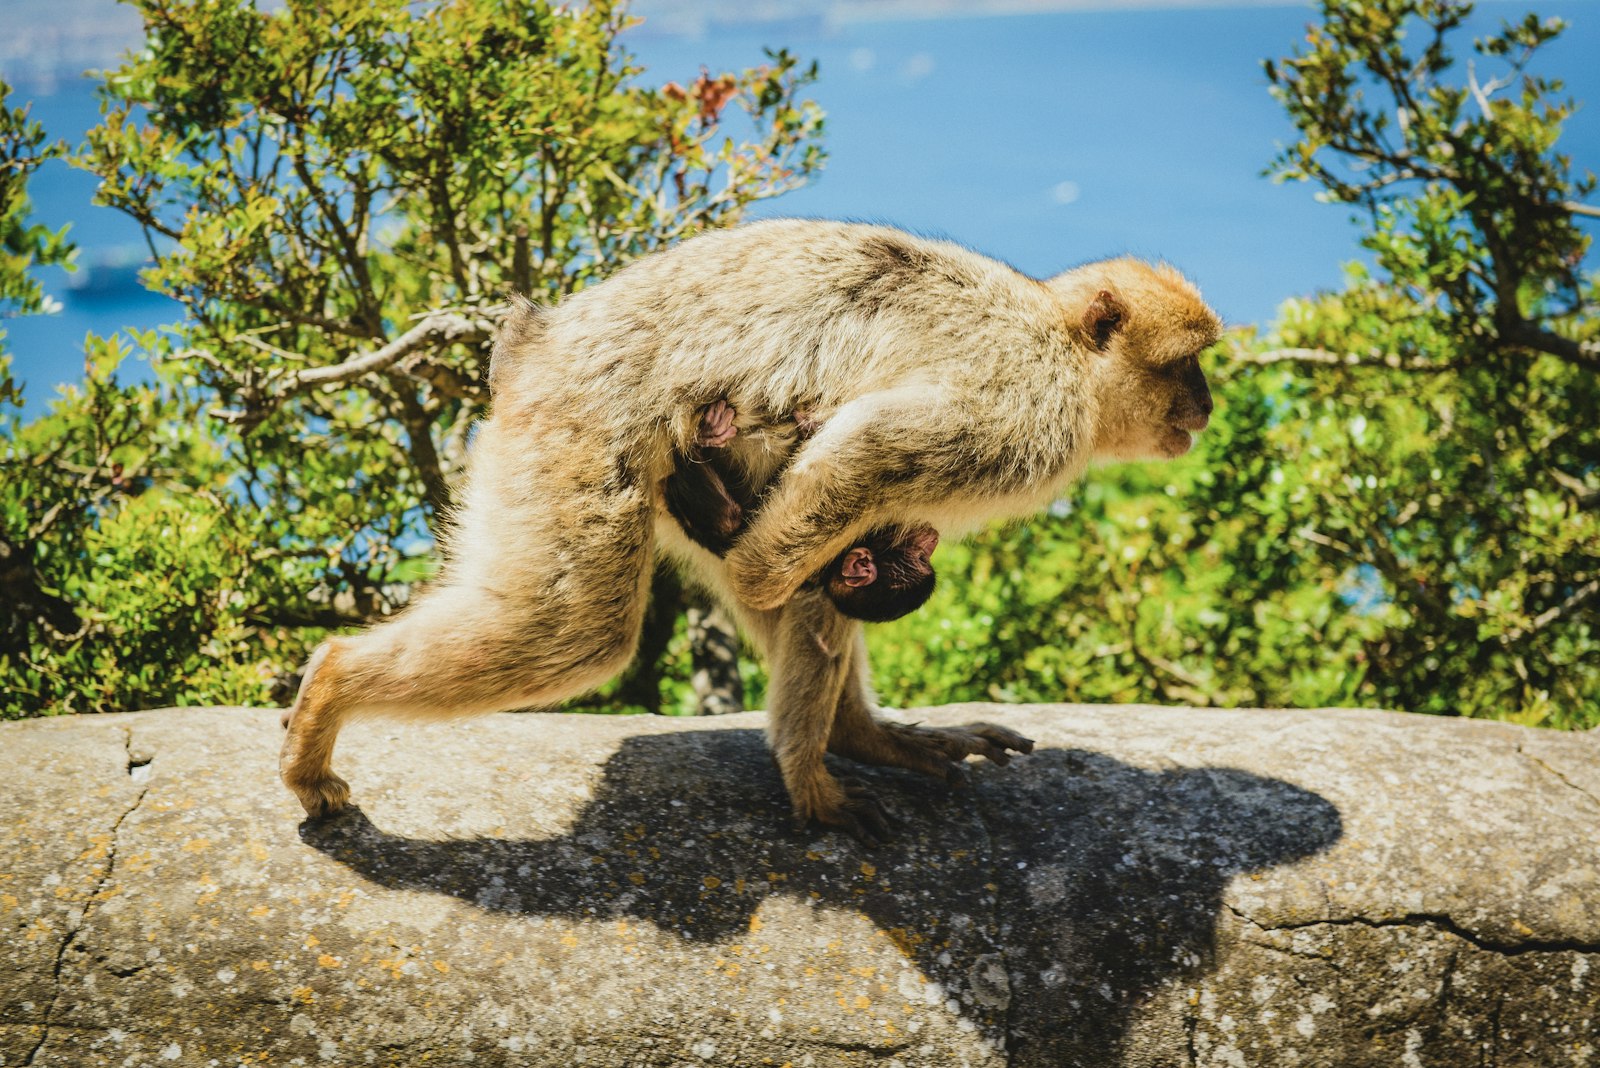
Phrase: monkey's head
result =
(1144, 328)
(886, 576)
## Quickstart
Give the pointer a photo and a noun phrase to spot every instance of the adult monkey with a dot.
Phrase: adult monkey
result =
(951, 390)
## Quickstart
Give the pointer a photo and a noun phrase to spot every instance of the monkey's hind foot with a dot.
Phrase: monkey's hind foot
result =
(939, 751)
(322, 796)
(859, 814)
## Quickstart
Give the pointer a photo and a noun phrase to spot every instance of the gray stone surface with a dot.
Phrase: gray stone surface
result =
(1153, 887)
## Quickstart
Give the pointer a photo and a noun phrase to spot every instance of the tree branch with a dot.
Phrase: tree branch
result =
(1581, 353)
(438, 329)
(1389, 360)
(1589, 591)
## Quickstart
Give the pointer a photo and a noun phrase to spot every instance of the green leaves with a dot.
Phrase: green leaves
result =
(24, 244)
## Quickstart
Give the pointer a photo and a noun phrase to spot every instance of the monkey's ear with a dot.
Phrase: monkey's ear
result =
(1102, 318)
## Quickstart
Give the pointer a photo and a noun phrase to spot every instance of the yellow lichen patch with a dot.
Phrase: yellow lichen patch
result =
(8, 902)
(328, 960)
(441, 967)
(312, 941)
(905, 941)
(261, 965)
(711, 882)
(636, 878)
(345, 897)
(257, 850)
(776, 877)
(569, 940)
(755, 923)
(862, 1001)
(36, 930)
(197, 845)
(738, 885)
(868, 870)
(392, 966)
(261, 910)
(99, 847)
(864, 972)
(303, 994)
(138, 862)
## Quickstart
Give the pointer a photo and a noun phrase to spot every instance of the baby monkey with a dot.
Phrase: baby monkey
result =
(886, 576)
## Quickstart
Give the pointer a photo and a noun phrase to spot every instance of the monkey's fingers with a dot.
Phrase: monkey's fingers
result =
(997, 743)
(716, 425)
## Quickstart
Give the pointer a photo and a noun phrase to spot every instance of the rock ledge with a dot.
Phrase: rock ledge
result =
(1153, 887)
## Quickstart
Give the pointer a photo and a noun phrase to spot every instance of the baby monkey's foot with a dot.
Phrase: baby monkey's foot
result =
(716, 425)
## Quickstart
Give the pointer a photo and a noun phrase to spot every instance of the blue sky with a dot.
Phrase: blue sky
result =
(1044, 138)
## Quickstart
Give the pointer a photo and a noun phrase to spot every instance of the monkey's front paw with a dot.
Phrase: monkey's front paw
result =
(859, 814)
(939, 751)
(322, 796)
(995, 744)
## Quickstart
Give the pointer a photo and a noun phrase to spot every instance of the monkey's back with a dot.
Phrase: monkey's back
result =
(775, 316)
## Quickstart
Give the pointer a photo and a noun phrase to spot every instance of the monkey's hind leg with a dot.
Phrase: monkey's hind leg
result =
(939, 752)
(534, 606)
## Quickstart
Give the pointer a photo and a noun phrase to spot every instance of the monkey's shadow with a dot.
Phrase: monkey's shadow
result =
(1094, 881)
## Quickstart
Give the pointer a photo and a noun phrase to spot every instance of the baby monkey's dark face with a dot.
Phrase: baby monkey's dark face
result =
(887, 575)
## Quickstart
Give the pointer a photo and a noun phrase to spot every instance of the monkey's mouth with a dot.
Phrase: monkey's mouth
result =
(1179, 435)
(1175, 441)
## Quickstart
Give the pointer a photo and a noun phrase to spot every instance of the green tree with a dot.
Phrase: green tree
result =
(341, 194)
(1399, 501)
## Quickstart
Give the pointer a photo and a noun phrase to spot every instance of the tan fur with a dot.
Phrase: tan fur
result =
(951, 390)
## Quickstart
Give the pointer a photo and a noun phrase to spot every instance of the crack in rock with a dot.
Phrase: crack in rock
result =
(1556, 772)
(1437, 921)
(76, 928)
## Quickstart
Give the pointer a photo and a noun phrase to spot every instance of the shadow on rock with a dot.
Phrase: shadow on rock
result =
(1052, 898)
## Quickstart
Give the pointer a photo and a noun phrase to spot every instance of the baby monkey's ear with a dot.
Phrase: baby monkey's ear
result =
(858, 568)
(1102, 318)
